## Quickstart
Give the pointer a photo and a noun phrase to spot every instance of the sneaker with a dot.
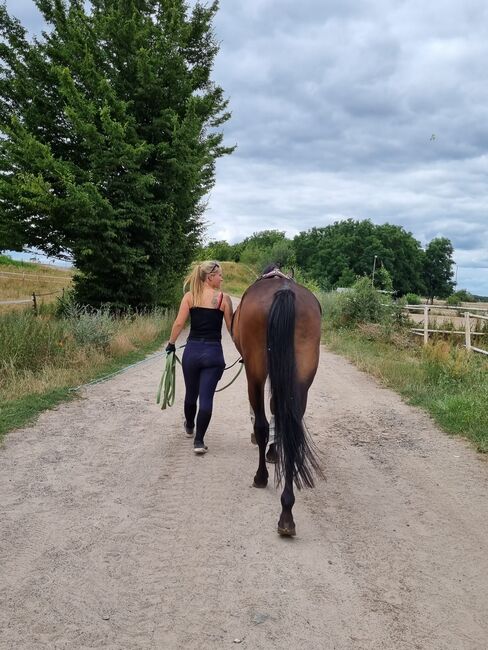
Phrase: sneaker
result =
(199, 447)
(189, 430)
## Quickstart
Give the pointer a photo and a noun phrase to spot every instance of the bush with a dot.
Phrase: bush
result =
(460, 296)
(66, 304)
(363, 304)
(331, 303)
(306, 281)
(413, 299)
(92, 327)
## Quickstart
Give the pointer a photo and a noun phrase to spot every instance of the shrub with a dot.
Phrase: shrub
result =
(363, 304)
(65, 304)
(413, 299)
(460, 296)
(92, 327)
(331, 303)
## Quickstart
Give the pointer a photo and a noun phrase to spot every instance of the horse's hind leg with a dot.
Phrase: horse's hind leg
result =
(286, 525)
(261, 429)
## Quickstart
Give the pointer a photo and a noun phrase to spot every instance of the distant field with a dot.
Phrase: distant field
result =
(18, 280)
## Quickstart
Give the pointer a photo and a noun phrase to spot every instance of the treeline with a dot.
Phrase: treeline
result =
(337, 255)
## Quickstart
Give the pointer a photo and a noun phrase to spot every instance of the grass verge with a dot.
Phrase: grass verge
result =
(448, 382)
(26, 389)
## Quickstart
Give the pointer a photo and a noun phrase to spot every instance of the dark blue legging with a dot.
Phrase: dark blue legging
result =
(203, 365)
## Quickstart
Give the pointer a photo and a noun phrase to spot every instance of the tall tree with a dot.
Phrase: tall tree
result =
(438, 271)
(110, 128)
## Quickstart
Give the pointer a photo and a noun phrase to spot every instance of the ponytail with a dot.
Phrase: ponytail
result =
(195, 280)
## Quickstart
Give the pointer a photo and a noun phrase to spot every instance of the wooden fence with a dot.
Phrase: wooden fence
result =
(467, 332)
(32, 299)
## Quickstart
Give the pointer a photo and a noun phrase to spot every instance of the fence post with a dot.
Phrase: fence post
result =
(426, 324)
(468, 330)
(34, 300)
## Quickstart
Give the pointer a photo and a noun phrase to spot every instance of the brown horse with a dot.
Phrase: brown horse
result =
(276, 329)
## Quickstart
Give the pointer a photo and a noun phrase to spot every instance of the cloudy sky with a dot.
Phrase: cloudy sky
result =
(353, 108)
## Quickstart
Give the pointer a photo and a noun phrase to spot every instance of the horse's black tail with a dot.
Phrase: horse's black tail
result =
(295, 454)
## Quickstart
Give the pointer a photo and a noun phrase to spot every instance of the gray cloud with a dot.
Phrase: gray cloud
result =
(364, 109)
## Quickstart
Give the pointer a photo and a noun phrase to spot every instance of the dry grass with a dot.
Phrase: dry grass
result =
(82, 365)
(237, 278)
(120, 345)
(18, 282)
(41, 354)
(140, 330)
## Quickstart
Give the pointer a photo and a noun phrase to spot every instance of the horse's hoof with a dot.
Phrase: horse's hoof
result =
(287, 532)
(260, 484)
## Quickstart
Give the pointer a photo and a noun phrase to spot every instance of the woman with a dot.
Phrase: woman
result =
(203, 359)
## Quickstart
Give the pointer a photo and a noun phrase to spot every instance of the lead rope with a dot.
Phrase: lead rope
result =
(238, 373)
(167, 386)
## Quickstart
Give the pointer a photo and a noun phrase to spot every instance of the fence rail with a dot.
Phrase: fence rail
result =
(32, 299)
(467, 332)
(49, 278)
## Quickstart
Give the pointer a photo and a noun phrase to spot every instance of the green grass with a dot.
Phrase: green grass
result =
(449, 383)
(237, 278)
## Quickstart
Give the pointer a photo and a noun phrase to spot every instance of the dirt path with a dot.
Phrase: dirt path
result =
(114, 535)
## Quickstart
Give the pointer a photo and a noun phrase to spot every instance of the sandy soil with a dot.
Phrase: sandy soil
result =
(114, 535)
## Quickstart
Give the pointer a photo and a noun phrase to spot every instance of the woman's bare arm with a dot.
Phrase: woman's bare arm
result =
(228, 311)
(181, 318)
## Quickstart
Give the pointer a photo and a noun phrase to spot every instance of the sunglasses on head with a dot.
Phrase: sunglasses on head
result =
(215, 266)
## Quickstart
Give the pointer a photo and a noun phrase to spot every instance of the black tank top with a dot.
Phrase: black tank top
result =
(205, 323)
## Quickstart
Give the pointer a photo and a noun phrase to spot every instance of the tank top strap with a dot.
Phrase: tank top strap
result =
(221, 297)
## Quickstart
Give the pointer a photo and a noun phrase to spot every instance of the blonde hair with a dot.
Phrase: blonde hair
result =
(195, 280)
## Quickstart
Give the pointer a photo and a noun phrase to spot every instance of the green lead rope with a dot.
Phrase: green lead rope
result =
(167, 385)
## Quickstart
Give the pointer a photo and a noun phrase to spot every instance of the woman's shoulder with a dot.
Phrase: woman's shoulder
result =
(188, 298)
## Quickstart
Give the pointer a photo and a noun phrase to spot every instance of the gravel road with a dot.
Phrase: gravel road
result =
(114, 535)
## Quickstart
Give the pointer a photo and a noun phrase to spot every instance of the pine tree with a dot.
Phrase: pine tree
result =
(111, 128)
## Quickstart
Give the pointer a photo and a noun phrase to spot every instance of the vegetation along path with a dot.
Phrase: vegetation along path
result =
(114, 535)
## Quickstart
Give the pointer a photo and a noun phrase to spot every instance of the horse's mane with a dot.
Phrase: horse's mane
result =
(271, 267)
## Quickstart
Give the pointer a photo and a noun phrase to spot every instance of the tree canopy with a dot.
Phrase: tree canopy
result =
(111, 129)
(339, 254)
(346, 249)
